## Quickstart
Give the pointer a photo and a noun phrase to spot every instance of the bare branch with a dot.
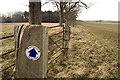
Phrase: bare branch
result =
(69, 7)
(44, 3)
(85, 5)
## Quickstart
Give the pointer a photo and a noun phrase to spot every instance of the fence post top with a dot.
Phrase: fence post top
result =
(34, 0)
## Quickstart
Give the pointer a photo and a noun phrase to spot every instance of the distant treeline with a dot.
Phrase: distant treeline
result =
(99, 21)
(47, 16)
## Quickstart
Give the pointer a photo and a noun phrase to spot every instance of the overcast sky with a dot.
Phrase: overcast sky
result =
(100, 10)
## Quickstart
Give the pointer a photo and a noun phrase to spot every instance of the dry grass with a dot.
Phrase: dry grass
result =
(88, 57)
(91, 54)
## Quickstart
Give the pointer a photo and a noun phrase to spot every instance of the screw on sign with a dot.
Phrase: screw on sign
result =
(33, 53)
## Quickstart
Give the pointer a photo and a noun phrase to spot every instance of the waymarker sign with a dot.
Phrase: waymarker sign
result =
(33, 53)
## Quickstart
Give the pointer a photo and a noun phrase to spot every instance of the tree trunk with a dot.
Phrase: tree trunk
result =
(61, 14)
(61, 20)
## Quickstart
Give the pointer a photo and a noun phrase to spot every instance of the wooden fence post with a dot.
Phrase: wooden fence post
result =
(32, 52)
(31, 44)
(66, 37)
(35, 12)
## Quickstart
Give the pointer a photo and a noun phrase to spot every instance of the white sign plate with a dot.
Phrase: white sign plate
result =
(33, 53)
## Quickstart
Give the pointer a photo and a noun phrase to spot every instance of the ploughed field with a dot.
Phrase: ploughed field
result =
(93, 51)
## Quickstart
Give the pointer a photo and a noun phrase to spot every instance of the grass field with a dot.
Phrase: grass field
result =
(93, 51)
(106, 33)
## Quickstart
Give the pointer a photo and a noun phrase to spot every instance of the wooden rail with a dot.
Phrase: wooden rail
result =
(7, 53)
(56, 26)
(53, 42)
(7, 67)
(4, 54)
(7, 37)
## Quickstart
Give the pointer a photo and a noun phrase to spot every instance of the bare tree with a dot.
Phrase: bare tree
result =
(65, 7)
(71, 17)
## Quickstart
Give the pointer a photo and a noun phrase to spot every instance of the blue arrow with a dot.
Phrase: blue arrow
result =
(33, 53)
